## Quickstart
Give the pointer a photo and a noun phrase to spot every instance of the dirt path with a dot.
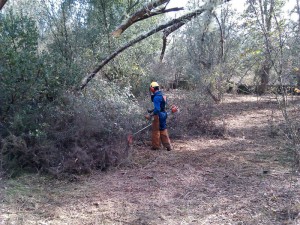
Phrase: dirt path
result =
(243, 178)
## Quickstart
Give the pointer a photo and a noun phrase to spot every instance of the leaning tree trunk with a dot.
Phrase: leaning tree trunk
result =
(187, 17)
(142, 14)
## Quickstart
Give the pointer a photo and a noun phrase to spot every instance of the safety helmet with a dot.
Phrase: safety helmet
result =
(153, 85)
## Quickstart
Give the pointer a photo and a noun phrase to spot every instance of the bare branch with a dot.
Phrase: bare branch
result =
(175, 27)
(221, 36)
(180, 21)
(167, 32)
(2, 3)
(132, 6)
(144, 11)
(185, 18)
(159, 12)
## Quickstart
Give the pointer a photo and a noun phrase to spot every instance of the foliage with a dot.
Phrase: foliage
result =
(205, 52)
(44, 123)
(78, 133)
(20, 71)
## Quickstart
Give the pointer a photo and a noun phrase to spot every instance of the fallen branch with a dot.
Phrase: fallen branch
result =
(167, 32)
(2, 3)
(180, 21)
(175, 27)
(159, 12)
(185, 18)
(144, 12)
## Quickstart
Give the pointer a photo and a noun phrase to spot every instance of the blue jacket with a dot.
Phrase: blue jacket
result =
(159, 102)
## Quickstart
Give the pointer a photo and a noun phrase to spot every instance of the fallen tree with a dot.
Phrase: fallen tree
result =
(171, 25)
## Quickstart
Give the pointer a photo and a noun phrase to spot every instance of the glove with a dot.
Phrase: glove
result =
(174, 109)
(148, 117)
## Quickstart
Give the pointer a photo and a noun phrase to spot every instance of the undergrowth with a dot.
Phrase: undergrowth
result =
(81, 132)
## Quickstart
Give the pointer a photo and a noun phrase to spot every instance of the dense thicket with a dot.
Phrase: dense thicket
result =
(46, 125)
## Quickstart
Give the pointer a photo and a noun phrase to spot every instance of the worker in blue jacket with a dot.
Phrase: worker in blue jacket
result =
(159, 123)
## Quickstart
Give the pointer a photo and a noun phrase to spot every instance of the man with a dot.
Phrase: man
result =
(159, 123)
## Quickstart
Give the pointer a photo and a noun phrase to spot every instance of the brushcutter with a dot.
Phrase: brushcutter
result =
(173, 109)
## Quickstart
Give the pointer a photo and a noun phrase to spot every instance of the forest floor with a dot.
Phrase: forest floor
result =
(244, 177)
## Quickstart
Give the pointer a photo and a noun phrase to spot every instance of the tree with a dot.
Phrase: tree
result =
(43, 122)
(263, 12)
(19, 65)
(293, 42)
(208, 48)
(135, 18)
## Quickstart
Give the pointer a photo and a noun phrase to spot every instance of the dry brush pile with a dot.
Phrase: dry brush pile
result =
(79, 133)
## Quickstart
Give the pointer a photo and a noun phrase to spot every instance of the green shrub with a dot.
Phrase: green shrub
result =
(79, 132)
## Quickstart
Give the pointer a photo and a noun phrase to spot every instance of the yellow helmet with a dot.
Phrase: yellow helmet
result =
(154, 84)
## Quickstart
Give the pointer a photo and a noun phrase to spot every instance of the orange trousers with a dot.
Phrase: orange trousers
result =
(159, 136)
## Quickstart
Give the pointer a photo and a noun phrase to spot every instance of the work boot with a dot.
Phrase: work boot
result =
(169, 148)
(154, 148)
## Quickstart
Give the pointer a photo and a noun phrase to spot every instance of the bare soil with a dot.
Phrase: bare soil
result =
(245, 177)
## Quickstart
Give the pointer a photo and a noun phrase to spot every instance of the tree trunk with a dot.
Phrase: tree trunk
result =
(263, 73)
(298, 38)
(298, 78)
(211, 94)
(266, 25)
